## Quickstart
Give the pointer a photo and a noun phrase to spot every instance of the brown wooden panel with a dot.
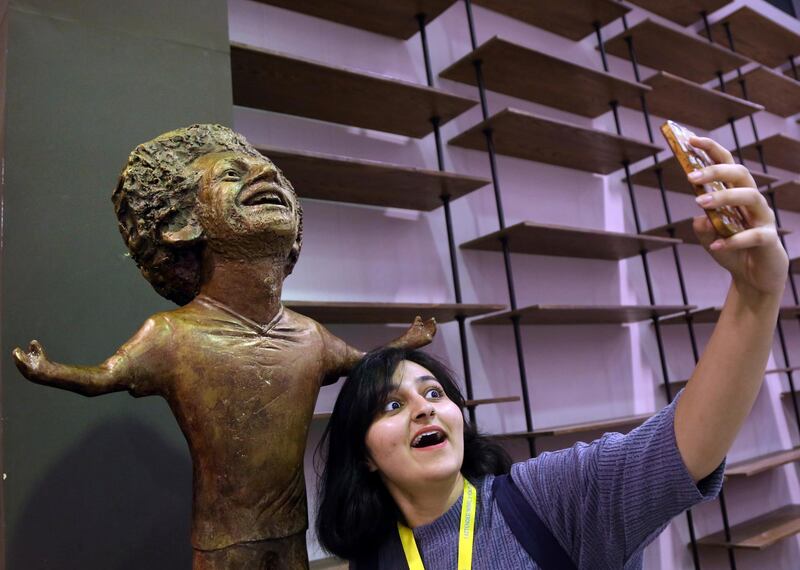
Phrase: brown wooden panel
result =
(674, 178)
(519, 71)
(684, 231)
(600, 425)
(757, 37)
(787, 195)
(776, 92)
(760, 532)
(581, 314)
(547, 239)
(756, 465)
(669, 49)
(286, 84)
(343, 179)
(779, 150)
(484, 401)
(396, 18)
(344, 312)
(529, 136)
(711, 315)
(574, 19)
(684, 101)
(329, 564)
(683, 12)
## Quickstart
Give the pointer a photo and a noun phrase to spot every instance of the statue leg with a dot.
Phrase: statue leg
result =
(287, 553)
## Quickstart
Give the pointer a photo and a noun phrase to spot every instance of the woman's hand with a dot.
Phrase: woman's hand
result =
(755, 257)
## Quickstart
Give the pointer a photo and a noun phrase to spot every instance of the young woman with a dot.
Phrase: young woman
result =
(408, 483)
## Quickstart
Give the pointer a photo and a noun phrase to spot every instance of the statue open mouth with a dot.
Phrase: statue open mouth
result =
(264, 194)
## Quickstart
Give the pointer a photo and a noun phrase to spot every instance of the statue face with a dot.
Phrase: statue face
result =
(245, 205)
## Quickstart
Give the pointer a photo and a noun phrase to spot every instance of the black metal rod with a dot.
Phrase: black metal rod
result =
(793, 67)
(600, 45)
(504, 242)
(445, 197)
(615, 111)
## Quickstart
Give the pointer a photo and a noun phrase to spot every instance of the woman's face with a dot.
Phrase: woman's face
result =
(418, 436)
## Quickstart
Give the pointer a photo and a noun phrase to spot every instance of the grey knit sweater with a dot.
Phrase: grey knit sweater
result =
(604, 502)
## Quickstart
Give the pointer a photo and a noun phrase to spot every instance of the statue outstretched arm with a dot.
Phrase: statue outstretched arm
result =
(122, 371)
(419, 334)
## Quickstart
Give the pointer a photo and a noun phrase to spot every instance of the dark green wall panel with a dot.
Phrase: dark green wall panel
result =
(102, 482)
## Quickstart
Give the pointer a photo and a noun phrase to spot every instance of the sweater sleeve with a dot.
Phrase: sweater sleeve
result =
(605, 501)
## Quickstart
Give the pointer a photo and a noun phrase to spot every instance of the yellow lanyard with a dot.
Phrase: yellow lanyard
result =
(465, 535)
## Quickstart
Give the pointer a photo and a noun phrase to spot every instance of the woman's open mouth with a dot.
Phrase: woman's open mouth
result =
(428, 438)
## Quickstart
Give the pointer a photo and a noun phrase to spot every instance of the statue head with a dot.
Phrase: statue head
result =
(201, 187)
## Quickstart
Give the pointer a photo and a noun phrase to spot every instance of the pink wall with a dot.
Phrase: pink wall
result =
(576, 373)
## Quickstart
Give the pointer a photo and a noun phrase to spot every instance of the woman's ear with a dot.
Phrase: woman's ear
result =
(371, 465)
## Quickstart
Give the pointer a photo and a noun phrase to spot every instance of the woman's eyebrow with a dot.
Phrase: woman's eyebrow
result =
(426, 378)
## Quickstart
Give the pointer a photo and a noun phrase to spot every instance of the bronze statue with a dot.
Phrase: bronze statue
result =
(215, 227)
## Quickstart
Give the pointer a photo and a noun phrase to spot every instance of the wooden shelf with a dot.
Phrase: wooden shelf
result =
(679, 52)
(581, 314)
(602, 425)
(325, 416)
(787, 195)
(397, 18)
(674, 178)
(757, 37)
(531, 137)
(683, 12)
(518, 71)
(711, 315)
(763, 463)
(760, 532)
(278, 82)
(776, 92)
(485, 401)
(337, 312)
(574, 19)
(687, 102)
(787, 395)
(331, 563)
(563, 241)
(684, 231)
(343, 179)
(779, 151)
(676, 385)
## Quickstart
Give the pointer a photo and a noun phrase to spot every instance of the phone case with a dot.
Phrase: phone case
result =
(727, 220)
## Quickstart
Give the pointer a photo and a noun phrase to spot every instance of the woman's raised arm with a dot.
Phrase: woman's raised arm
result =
(727, 378)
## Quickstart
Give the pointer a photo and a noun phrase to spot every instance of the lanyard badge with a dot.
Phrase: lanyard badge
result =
(465, 535)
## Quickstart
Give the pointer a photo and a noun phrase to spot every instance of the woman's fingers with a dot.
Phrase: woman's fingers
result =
(730, 174)
(755, 206)
(754, 237)
(717, 152)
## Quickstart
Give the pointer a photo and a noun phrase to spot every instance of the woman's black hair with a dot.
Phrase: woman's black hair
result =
(356, 513)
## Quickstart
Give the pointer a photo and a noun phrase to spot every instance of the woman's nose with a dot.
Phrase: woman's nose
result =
(424, 410)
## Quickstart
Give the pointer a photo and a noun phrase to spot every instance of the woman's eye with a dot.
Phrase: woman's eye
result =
(434, 393)
(391, 406)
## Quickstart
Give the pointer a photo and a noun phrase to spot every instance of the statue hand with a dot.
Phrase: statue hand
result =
(420, 333)
(34, 364)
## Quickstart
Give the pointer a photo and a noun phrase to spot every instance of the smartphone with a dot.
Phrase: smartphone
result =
(727, 220)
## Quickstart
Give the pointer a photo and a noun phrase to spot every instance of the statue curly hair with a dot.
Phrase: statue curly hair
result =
(156, 190)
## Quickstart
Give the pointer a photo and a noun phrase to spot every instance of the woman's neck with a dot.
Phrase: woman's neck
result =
(426, 503)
